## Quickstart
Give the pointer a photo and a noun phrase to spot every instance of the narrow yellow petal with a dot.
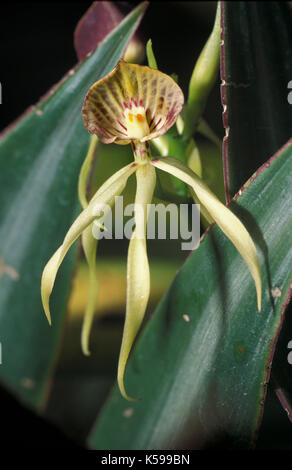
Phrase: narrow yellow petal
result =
(207, 219)
(227, 221)
(105, 195)
(84, 172)
(138, 277)
(48, 279)
(89, 245)
(194, 159)
(138, 289)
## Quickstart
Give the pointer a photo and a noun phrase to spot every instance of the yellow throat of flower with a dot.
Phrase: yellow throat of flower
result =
(136, 121)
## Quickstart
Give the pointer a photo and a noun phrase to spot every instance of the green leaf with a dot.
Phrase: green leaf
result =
(40, 158)
(282, 364)
(256, 67)
(202, 363)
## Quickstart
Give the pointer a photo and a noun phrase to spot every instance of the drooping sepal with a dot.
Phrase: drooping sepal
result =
(138, 277)
(105, 195)
(227, 221)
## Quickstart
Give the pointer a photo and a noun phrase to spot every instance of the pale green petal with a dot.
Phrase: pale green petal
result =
(105, 195)
(138, 289)
(138, 277)
(48, 279)
(227, 221)
(84, 172)
(204, 213)
(194, 159)
(89, 245)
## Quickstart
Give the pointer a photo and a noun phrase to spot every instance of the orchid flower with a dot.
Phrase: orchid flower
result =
(134, 104)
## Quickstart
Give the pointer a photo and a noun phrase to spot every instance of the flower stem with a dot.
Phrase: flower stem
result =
(141, 151)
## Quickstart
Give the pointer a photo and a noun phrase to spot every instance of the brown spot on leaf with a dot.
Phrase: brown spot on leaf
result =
(27, 382)
(9, 270)
(128, 412)
(186, 318)
(276, 292)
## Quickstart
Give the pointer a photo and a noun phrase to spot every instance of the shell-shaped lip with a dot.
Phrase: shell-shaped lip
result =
(130, 91)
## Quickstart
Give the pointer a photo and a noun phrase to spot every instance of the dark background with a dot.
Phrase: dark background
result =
(36, 47)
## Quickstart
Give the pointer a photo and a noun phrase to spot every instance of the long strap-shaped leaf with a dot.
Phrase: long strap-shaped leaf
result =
(256, 56)
(227, 221)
